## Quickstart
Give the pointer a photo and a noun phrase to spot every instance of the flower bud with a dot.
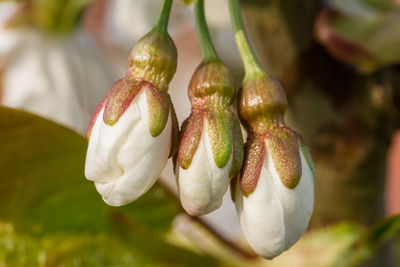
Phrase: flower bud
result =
(211, 147)
(134, 129)
(262, 101)
(275, 194)
(154, 59)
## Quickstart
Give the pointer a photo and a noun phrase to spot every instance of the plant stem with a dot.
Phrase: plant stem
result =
(207, 48)
(232, 245)
(251, 64)
(162, 22)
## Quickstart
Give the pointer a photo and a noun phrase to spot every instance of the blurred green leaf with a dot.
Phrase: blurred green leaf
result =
(56, 215)
(320, 247)
(18, 249)
(43, 186)
(361, 32)
(368, 244)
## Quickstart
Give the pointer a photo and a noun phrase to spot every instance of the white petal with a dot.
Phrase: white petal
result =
(55, 77)
(203, 185)
(124, 160)
(274, 217)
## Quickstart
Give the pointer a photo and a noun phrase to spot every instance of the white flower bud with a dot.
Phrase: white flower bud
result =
(203, 185)
(125, 160)
(211, 145)
(273, 217)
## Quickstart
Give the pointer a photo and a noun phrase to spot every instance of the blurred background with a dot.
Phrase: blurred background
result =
(338, 61)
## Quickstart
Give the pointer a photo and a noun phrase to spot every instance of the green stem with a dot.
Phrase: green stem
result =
(251, 64)
(207, 48)
(162, 22)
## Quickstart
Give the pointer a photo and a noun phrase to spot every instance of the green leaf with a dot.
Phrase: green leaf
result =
(320, 247)
(56, 215)
(369, 243)
(43, 186)
(133, 249)
(361, 32)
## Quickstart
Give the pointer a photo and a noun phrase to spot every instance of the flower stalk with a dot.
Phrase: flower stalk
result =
(163, 18)
(207, 48)
(250, 62)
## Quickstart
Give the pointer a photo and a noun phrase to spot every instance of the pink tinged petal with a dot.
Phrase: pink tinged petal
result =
(203, 185)
(254, 158)
(105, 142)
(95, 115)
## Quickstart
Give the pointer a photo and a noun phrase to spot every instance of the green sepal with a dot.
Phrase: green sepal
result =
(119, 98)
(190, 137)
(219, 130)
(237, 147)
(283, 145)
(233, 184)
(307, 155)
(159, 105)
(175, 133)
(254, 159)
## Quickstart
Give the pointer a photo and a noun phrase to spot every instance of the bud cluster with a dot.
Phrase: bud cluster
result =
(135, 130)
